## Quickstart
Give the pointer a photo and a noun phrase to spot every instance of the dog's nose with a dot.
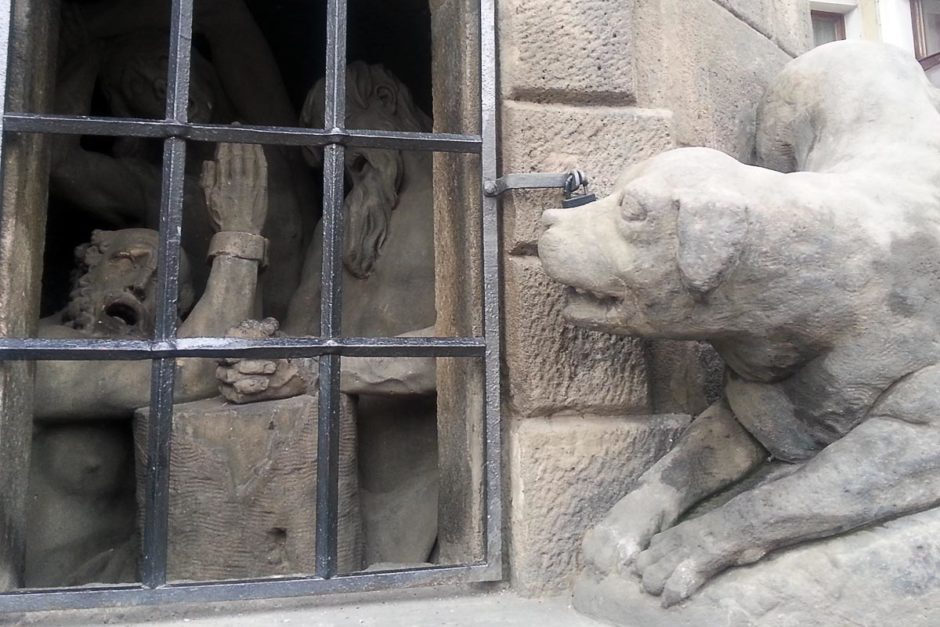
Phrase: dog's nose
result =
(552, 216)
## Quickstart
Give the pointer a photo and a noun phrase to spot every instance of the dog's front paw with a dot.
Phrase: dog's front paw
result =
(681, 560)
(614, 543)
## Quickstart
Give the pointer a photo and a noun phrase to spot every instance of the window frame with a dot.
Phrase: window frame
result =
(834, 18)
(919, 27)
(175, 130)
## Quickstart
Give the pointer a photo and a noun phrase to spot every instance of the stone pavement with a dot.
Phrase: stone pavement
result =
(412, 608)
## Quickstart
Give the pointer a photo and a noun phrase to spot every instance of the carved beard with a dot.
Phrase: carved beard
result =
(100, 314)
(368, 210)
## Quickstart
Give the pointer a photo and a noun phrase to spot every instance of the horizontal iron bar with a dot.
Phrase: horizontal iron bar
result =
(281, 135)
(216, 347)
(207, 592)
(530, 180)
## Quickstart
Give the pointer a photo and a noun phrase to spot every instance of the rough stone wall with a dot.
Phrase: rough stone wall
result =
(600, 85)
(22, 227)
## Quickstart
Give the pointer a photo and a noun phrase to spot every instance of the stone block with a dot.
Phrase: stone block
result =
(574, 52)
(554, 367)
(243, 489)
(696, 58)
(566, 474)
(786, 22)
(601, 141)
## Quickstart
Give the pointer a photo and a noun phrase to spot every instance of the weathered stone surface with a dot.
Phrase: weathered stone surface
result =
(697, 59)
(884, 575)
(567, 52)
(786, 22)
(22, 227)
(695, 244)
(685, 377)
(243, 489)
(553, 138)
(566, 473)
(553, 366)
(458, 282)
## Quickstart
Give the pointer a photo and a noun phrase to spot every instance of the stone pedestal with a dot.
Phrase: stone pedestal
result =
(243, 489)
(882, 575)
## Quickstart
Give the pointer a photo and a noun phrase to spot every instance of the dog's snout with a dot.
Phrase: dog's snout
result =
(551, 216)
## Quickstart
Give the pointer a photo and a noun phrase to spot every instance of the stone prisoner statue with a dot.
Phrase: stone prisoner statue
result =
(388, 290)
(816, 277)
(122, 47)
(81, 527)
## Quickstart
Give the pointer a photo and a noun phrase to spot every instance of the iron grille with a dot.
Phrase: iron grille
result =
(175, 131)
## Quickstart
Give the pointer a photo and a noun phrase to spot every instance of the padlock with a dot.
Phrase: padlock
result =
(576, 180)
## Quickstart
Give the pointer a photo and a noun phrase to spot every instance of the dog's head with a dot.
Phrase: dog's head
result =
(644, 260)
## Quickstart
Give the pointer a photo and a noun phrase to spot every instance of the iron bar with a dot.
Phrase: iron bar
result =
(331, 294)
(159, 425)
(492, 434)
(156, 497)
(45, 349)
(271, 135)
(207, 592)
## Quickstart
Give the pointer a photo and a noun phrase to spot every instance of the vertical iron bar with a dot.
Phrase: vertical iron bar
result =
(178, 62)
(331, 294)
(492, 455)
(163, 374)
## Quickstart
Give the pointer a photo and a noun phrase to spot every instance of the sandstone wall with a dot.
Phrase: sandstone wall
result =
(22, 225)
(599, 85)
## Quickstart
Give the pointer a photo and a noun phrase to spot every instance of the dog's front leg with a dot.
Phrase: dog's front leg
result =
(714, 452)
(887, 466)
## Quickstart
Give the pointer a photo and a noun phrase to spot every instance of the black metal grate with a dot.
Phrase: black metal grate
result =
(165, 347)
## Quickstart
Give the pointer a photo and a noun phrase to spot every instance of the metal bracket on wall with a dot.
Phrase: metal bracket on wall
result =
(574, 183)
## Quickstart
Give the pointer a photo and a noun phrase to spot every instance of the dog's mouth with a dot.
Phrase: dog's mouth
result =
(595, 310)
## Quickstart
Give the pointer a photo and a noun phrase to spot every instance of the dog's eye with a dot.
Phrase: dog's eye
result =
(631, 210)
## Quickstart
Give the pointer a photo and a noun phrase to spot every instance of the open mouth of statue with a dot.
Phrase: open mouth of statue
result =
(579, 294)
(597, 311)
(587, 305)
(123, 312)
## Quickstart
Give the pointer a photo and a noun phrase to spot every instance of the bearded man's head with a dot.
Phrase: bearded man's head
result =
(133, 78)
(375, 100)
(114, 285)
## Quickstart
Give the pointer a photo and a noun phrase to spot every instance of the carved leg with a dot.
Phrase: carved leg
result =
(713, 453)
(887, 466)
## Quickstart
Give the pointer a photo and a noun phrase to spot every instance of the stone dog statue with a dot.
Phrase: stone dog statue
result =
(816, 277)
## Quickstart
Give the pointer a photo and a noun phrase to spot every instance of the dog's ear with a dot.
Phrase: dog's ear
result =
(711, 234)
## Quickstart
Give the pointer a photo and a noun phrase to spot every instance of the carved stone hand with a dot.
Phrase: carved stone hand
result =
(235, 185)
(253, 380)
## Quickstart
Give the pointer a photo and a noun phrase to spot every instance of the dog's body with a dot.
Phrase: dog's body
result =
(820, 287)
